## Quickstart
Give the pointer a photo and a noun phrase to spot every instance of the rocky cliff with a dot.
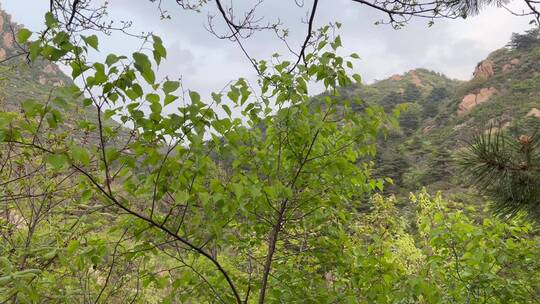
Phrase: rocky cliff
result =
(444, 115)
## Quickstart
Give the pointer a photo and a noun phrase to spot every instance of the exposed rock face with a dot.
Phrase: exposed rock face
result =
(485, 94)
(42, 80)
(534, 112)
(415, 79)
(396, 77)
(58, 83)
(2, 54)
(508, 66)
(484, 70)
(472, 100)
(427, 129)
(49, 69)
(1, 21)
(7, 39)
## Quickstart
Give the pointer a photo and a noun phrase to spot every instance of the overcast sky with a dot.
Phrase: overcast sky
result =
(206, 63)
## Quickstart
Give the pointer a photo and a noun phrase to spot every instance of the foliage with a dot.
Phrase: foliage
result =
(187, 205)
(411, 118)
(525, 41)
(435, 255)
(507, 169)
(265, 203)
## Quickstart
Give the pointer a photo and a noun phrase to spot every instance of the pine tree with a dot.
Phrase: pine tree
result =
(412, 93)
(441, 164)
(507, 169)
(525, 41)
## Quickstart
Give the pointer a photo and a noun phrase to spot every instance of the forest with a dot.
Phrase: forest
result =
(120, 185)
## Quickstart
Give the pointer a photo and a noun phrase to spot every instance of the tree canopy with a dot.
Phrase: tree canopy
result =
(130, 188)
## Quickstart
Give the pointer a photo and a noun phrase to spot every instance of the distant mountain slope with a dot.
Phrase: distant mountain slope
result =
(40, 81)
(20, 80)
(444, 114)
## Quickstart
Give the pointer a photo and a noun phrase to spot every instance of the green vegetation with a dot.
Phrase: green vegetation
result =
(109, 198)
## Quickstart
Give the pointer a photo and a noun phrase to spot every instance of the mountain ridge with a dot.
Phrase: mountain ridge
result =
(442, 115)
(503, 93)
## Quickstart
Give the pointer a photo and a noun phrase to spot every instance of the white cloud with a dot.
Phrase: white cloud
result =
(206, 63)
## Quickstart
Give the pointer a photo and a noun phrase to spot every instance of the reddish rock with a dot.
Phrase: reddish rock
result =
(484, 95)
(427, 129)
(514, 61)
(484, 69)
(467, 103)
(507, 67)
(396, 77)
(7, 39)
(49, 69)
(534, 112)
(2, 54)
(472, 100)
(415, 79)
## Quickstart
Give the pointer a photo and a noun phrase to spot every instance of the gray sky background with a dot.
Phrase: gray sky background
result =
(206, 64)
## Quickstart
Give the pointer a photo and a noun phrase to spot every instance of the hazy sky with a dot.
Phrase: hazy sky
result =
(206, 63)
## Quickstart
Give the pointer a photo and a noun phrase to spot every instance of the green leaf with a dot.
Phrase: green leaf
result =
(80, 155)
(216, 97)
(169, 99)
(233, 95)
(50, 20)
(156, 107)
(159, 50)
(195, 97)
(227, 110)
(111, 59)
(91, 41)
(152, 98)
(87, 102)
(23, 35)
(58, 161)
(31, 107)
(35, 49)
(144, 66)
(181, 197)
(170, 86)
(99, 75)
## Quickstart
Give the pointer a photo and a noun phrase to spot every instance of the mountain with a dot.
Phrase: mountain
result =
(23, 83)
(443, 115)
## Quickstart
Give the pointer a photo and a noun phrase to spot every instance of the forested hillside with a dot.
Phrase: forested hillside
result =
(262, 194)
(442, 115)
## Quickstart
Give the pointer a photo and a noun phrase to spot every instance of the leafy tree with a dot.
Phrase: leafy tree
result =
(258, 205)
(188, 205)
